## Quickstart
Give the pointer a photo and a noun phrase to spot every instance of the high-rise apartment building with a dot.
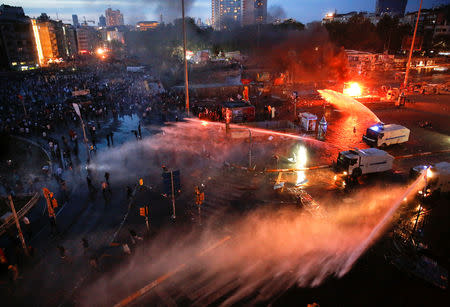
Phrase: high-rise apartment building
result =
(50, 35)
(88, 39)
(225, 13)
(17, 45)
(102, 21)
(254, 12)
(69, 41)
(391, 7)
(75, 21)
(113, 17)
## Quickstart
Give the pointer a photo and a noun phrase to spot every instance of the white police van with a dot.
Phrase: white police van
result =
(357, 162)
(381, 135)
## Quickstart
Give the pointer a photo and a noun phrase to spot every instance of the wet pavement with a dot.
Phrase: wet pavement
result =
(203, 154)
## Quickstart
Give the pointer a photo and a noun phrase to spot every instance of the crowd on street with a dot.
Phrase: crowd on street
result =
(38, 106)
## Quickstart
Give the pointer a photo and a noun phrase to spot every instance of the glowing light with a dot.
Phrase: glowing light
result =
(301, 159)
(100, 51)
(429, 173)
(37, 40)
(204, 123)
(353, 90)
(345, 173)
(375, 128)
(189, 55)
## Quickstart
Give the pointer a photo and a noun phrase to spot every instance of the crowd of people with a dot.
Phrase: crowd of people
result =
(39, 106)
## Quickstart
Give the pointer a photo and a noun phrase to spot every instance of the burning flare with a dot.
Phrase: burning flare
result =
(353, 89)
(301, 159)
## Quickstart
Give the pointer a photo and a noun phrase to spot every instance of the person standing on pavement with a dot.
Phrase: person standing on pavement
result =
(107, 178)
(139, 131)
(135, 134)
(91, 187)
(64, 192)
(106, 192)
(112, 138)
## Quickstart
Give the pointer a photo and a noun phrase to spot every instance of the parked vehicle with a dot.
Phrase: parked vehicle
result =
(438, 178)
(357, 162)
(381, 135)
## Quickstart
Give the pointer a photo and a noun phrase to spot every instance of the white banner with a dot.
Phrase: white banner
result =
(77, 109)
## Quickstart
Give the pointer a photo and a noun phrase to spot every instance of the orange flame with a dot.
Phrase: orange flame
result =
(353, 89)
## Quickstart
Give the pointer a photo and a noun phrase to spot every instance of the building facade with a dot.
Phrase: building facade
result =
(254, 12)
(70, 41)
(75, 21)
(433, 27)
(146, 25)
(51, 39)
(102, 21)
(17, 45)
(391, 7)
(225, 14)
(88, 39)
(113, 17)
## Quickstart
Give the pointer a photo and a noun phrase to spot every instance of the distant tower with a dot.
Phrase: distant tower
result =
(75, 22)
(224, 13)
(102, 21)
(113, 17)
(161, 20)
(254, 12)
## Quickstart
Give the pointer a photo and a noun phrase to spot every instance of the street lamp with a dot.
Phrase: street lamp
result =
(186, 80)
(405, 82)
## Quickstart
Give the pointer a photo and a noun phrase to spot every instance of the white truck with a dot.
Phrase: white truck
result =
(381, 135)
(356, 162)
(438, 178)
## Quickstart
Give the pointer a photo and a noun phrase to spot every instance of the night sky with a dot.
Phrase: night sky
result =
(135, 10)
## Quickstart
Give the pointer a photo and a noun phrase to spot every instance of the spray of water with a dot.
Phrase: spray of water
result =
(311, 140)
(348, 104)
(272, 248)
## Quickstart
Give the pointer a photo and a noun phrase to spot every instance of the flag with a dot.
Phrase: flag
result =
(77, 109)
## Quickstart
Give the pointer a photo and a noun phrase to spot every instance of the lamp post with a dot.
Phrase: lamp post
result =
(16, 220)
(186, 80)
(405, 82)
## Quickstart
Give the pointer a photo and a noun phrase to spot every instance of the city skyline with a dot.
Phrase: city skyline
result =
(307, 11)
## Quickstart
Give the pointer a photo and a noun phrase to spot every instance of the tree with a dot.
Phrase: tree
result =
(291, 24)
(358, 33)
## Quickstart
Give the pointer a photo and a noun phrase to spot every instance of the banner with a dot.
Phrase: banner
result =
(80, 93)
(77, 109)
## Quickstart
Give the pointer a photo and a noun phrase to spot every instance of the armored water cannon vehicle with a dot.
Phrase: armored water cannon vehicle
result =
(382, 135)
(437, 178)
(357, 162)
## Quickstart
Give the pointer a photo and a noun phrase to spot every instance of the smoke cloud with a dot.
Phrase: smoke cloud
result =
(276, 12)
(170, 9)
